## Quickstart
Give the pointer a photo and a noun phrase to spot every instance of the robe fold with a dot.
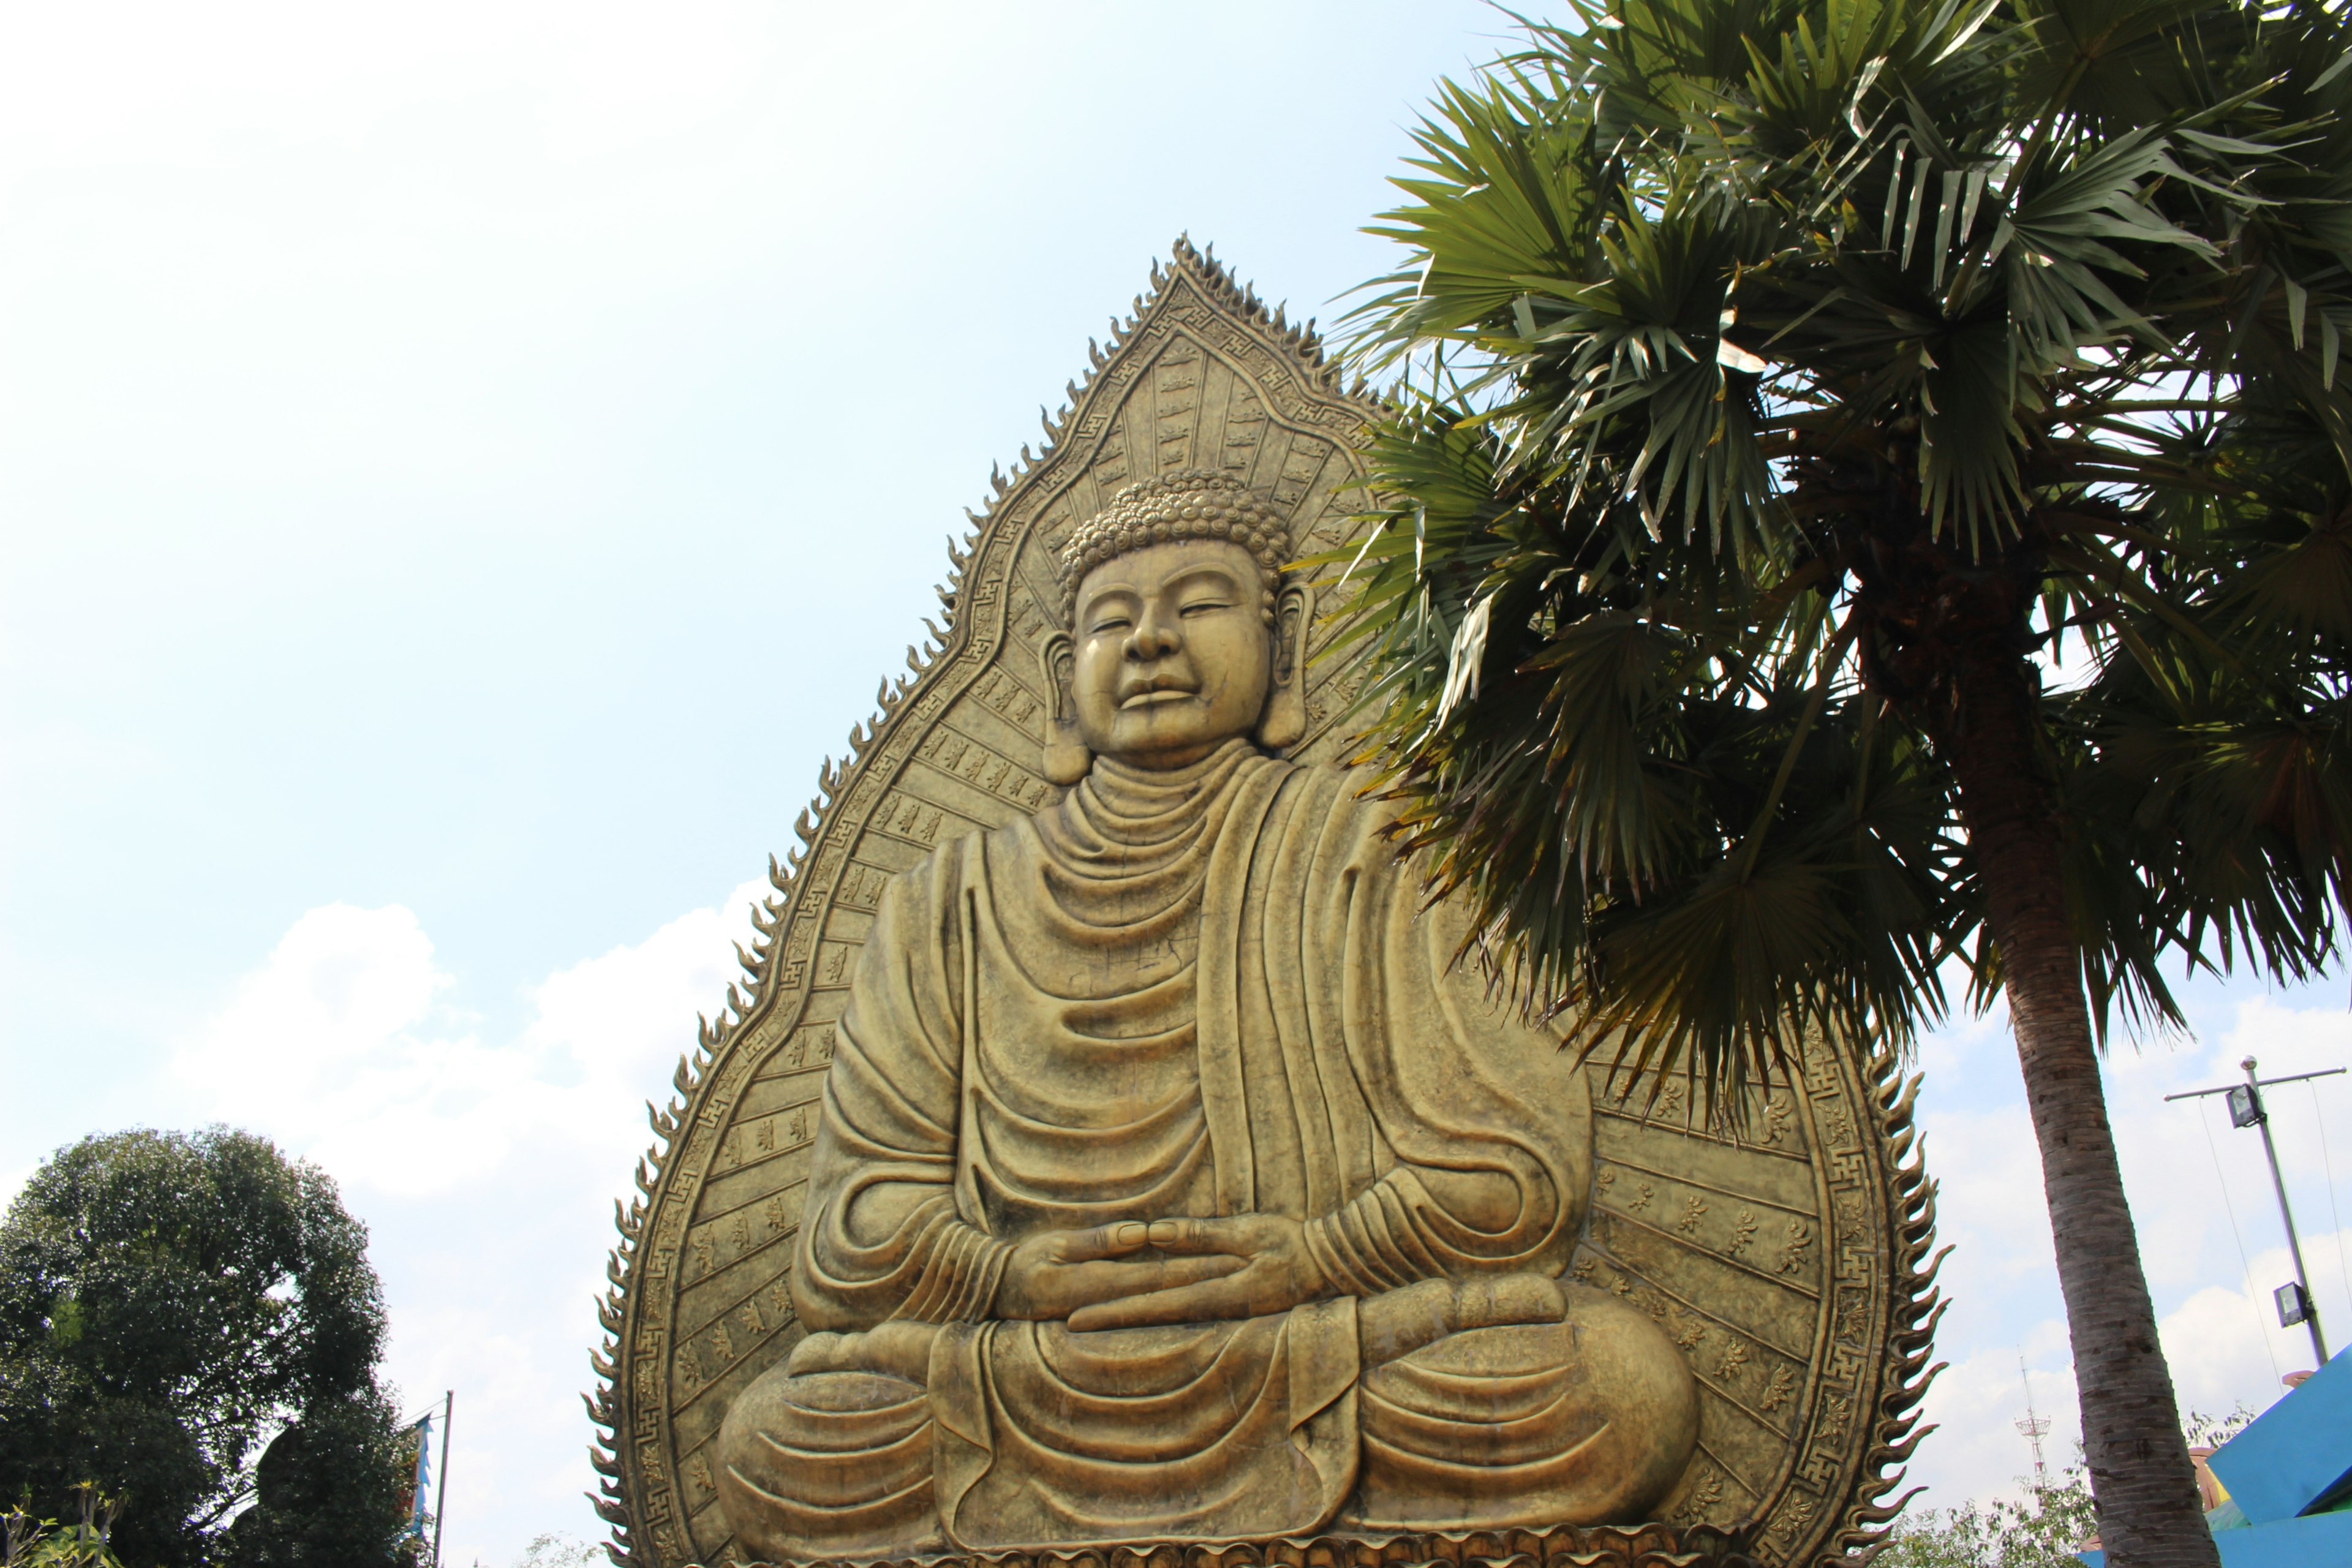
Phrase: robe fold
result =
(1202, 992)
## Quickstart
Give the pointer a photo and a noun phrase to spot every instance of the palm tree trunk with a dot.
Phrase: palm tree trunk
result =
(2140, 1473)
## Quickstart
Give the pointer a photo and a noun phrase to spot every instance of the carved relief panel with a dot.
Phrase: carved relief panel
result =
(1785, 1266)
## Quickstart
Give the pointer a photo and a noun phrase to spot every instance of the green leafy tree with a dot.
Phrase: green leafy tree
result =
(29, 1543)
(1790, 384)
(328, 1490)
(555, 1550)
(2041, 1529)
(167, 1302)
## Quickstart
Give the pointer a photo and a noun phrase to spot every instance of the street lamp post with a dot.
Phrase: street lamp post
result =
(2245, 1102)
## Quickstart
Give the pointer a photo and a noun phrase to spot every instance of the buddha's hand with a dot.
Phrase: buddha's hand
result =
(1397, 1322)
(1268, 1268)
(1057, 1273)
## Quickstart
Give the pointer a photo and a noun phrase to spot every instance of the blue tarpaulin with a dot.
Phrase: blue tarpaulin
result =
(2289, 1476)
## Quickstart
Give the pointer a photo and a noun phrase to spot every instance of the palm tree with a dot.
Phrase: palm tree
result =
(1871, 496)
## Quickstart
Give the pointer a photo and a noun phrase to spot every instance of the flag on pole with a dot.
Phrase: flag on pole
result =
(421, 1430)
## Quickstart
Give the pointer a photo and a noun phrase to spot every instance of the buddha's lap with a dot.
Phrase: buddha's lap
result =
(1544, 1422)
(829, 1464)
(1498, 1396)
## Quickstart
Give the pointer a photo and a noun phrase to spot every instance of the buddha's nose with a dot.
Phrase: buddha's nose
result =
(1153, 639)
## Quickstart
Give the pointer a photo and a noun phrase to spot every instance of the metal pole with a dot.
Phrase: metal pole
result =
(2294, 1245)
(450, 1407)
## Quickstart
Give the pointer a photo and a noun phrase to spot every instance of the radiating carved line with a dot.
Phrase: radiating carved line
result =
(718, 1553)
(730, 1212)
(704, 1441)
(816, 1100)
(880, 830)
(1782, 1280)
(1726, 1466)
(764, 1076)
(903, 789)
(713, 1381)
(1624, 1163)
(790, 1317)
(1800, 1358)
(749, 1252)
(1648, 1125)
(762, 1158)
(1037, 572)
(1003, 670)
(1784, 1432)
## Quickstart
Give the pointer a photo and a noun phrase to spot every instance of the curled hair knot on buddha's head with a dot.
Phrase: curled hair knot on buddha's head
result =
(1187, 504)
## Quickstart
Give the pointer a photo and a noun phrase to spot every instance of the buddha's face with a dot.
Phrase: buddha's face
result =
(1173, 654)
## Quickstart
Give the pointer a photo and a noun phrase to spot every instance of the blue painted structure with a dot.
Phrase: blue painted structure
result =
(2289, 1476)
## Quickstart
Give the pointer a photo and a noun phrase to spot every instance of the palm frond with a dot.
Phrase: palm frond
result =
(1793, 358)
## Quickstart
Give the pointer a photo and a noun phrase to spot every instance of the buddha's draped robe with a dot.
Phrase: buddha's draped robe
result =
(1202, 992)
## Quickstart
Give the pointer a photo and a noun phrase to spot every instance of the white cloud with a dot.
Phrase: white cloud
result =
(336, 1046)
(484, 1167)
(1977, 1450)
(2273, 1033)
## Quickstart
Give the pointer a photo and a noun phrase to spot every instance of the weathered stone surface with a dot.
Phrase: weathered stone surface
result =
(1108, 1162)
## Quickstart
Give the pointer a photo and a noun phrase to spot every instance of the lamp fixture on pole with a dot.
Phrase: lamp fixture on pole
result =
(2294, 1299)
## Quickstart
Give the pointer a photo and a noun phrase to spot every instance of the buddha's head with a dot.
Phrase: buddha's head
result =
(1181, 631)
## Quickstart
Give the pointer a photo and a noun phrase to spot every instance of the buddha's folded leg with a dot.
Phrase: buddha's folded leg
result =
(1588, 1418)
(830, 1454)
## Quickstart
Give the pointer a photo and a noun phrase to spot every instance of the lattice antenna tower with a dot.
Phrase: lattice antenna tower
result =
(2034, 1427)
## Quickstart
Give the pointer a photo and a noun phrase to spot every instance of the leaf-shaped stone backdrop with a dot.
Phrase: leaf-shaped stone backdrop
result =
(1787, 1266)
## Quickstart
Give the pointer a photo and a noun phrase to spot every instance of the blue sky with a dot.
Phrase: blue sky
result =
(462, 467)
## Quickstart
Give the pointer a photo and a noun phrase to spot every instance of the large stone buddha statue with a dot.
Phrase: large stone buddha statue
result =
(1171, 1183)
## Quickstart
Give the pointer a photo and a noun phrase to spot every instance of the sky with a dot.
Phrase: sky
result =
(464, 466)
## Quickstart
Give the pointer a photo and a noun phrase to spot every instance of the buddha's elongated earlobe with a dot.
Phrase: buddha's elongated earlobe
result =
(1283, 724)
(1067, 756)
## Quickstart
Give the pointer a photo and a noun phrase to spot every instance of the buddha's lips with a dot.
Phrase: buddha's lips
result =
(1156, 694)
